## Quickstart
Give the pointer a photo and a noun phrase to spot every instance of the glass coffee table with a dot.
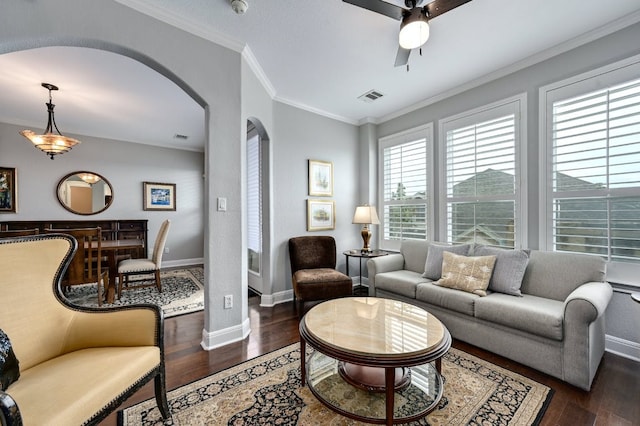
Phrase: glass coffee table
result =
(374, 360)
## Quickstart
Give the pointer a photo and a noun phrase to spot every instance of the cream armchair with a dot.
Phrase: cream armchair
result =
(76, 364)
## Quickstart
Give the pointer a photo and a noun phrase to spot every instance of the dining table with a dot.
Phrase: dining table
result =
(111, 248)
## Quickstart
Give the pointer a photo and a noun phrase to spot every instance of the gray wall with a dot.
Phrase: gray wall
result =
(300, 136)
(614, 47)
(125, 165)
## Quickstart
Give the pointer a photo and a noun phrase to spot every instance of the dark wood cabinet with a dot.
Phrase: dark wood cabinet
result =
(135, 229)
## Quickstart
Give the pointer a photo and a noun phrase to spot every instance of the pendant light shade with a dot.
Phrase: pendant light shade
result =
(414, 30)
(49, 142)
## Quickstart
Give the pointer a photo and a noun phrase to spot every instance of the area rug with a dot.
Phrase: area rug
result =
(182, 293)
(267, 391)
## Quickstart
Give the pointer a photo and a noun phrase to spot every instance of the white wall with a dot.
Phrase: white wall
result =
(125, 165)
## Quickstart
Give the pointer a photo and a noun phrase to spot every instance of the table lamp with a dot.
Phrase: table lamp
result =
(366, 215)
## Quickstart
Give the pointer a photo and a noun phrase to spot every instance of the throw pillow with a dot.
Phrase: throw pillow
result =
(9, 369)
(509, 270)
(433, 265)
(470, 274)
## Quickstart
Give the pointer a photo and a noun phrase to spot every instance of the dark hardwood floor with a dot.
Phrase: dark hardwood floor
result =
(614, 398)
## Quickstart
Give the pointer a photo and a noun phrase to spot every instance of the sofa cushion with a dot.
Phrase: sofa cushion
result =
(509, 268)
(9, 368)
(433, 264)
(401, 282)
(470, 274)
(447, 298)
(415, 254)
(532, 314)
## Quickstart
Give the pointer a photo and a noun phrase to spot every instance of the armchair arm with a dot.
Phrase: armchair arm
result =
(135, 325)
(378, 265)
(9, 412)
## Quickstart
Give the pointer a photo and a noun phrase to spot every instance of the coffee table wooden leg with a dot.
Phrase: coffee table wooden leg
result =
(389, 380)
(439, 365)
(303, 355)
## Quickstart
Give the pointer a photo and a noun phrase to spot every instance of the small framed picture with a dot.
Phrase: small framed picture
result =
(321, 215)
(159, 196)
(8, 192)
(320, 178)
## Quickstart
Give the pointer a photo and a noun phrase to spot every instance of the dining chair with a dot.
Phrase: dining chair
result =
(86, 265)
(18, 233)
(129, 267)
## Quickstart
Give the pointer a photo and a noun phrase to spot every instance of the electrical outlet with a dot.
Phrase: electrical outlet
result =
(166, 250)
(228, 301)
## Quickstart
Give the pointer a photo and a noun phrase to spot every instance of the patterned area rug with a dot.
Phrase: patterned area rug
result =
(266, 391)
(182, 293)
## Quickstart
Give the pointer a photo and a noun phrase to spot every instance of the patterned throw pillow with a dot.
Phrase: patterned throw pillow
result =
(470, 274)
(9, 369)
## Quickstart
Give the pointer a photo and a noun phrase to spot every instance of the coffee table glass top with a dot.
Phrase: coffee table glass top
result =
(380, 327)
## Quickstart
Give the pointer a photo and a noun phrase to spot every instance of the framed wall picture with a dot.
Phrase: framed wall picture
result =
(159, 196)
(320, 178)
(321, 215)
(8, 192)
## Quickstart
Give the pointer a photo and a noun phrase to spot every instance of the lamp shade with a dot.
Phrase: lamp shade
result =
(414, 30)
(366, 215)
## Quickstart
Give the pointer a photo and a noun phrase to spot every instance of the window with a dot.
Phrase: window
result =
(481, 196)
(405, 165)
(591, 149)
(254, 200)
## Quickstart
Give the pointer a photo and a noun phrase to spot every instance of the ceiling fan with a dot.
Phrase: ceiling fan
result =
(414, 29)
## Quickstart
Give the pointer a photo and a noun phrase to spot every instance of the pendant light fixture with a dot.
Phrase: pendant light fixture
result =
(50, 143)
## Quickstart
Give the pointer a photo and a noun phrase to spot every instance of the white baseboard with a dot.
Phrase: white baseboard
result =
(270, 300)
(182, 262)
(622, 347)
(215, 339)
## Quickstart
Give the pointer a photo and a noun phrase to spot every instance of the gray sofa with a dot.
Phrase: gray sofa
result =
(553, 320)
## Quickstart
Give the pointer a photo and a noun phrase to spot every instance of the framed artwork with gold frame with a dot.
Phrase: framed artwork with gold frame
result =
(320, 178)
(321, 215)
(159, 196)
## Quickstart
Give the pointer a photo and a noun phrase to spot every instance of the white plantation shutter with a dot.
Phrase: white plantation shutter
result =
(405, 173)
(482, 175)
(254, 198)
(595, 172)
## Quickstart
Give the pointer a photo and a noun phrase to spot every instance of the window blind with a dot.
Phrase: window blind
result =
(480, 177)
(404, 188)
(595, 175)
(254, 199)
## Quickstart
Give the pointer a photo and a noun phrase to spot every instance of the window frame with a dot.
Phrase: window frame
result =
(597, 79)
(518, 106)
(425, 132)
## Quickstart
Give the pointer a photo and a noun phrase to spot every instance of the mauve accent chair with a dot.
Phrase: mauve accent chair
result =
(313, 269)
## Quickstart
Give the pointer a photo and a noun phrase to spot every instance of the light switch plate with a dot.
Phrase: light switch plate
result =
(222, 204)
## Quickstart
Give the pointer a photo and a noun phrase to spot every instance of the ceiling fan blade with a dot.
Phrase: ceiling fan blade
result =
(402, 57)
(438, 7)
(379, 6)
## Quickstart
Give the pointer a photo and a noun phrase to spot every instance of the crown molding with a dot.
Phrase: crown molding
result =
(253, 63)
(558, 49)
(148, 8)
(315, 110)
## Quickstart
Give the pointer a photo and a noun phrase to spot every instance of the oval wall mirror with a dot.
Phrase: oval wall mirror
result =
(85, 193)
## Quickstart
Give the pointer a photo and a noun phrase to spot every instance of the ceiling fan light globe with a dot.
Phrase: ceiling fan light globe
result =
(413, 34)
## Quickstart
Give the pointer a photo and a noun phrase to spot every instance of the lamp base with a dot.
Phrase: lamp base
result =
(366, 236)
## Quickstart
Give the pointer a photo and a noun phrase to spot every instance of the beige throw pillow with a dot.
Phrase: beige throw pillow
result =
(470, 274)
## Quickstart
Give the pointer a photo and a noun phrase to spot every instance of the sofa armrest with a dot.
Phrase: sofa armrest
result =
(584, 330)
(588, 302)
(134, 325)
(378, 265)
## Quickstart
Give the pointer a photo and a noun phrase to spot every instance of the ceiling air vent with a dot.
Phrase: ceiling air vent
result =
(179, 136)
(370, 96)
